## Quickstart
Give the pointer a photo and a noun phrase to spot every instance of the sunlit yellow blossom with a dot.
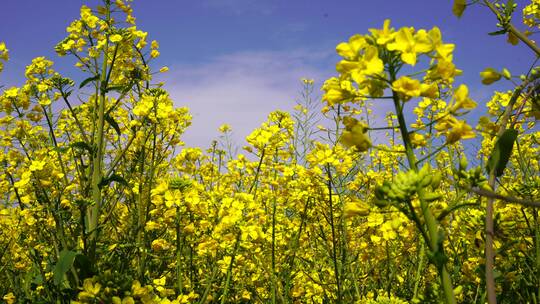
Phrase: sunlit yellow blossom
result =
(224, 128)
(154, 53)
(445, 70)
(408, 87)
(90, 290)
(384, 35)
(444, 50)
(144, 106)
(4, 55)
(88, 18)
(307, 81)
(44, 100)
(160, 245)
(364, 67)
(408, 46)
(338, 91)
(429, 90)
(462, 100)
(115, 38)
(489, 76)
(3, 51)
(418, 140)
(351, 50)
(454, 129)
(355, 135)
(355, 208)
(9, 298)
(37, 165)
(11, 92)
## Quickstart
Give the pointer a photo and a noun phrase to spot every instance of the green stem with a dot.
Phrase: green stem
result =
(179, 284)
(229, 270)
(334, 243)
(537, 251)
(419, 270)
(430, 221)
(97, 159)
(512, 29)
(489, 251)
(274, 289)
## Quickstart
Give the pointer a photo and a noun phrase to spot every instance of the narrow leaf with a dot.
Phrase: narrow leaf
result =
(500, 32)
(113, 123)
(88, 80)
(113, 178)
(65, 262)
(119, 89)
(501, 152)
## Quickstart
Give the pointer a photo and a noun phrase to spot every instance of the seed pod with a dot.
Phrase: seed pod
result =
(436, 180)
(426, 180)
(432, 196)
(463, 164)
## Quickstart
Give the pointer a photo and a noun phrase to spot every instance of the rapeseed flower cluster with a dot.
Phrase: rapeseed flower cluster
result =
(103, 203)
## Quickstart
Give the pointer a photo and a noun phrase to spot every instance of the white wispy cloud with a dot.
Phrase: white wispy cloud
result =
(241, 89)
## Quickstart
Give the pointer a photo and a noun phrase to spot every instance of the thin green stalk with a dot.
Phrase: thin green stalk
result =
(179, 284)
(512, 29)
(229, 270)
(97, 159)
(209, 286)
(537, 253)
(430, 221)
(274, 208)
(274, 289)
(334, 243)
(419, 270)
(489, 251)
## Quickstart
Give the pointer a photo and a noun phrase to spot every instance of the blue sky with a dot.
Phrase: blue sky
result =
(234, 61)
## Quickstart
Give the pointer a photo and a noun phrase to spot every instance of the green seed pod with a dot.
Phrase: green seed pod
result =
(436, 180)
(426, 181)
(432, 196)
(463, 164)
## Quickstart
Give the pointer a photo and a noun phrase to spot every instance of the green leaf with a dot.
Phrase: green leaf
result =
(64, 264)
(113, 178)
(113, 123)
(500, 32)
(459, 7)
(38, 279)
(88, 80)
(84, 266)
(501, 152)
(119, 89)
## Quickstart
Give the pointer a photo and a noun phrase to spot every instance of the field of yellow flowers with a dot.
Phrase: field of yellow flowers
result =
(101, 203)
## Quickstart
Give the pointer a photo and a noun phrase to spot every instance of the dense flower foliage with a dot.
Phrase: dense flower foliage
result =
(103, 203)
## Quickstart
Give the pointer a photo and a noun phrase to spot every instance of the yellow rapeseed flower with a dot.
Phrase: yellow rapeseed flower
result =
(408, 87)
(489, 76)
(115, 38)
